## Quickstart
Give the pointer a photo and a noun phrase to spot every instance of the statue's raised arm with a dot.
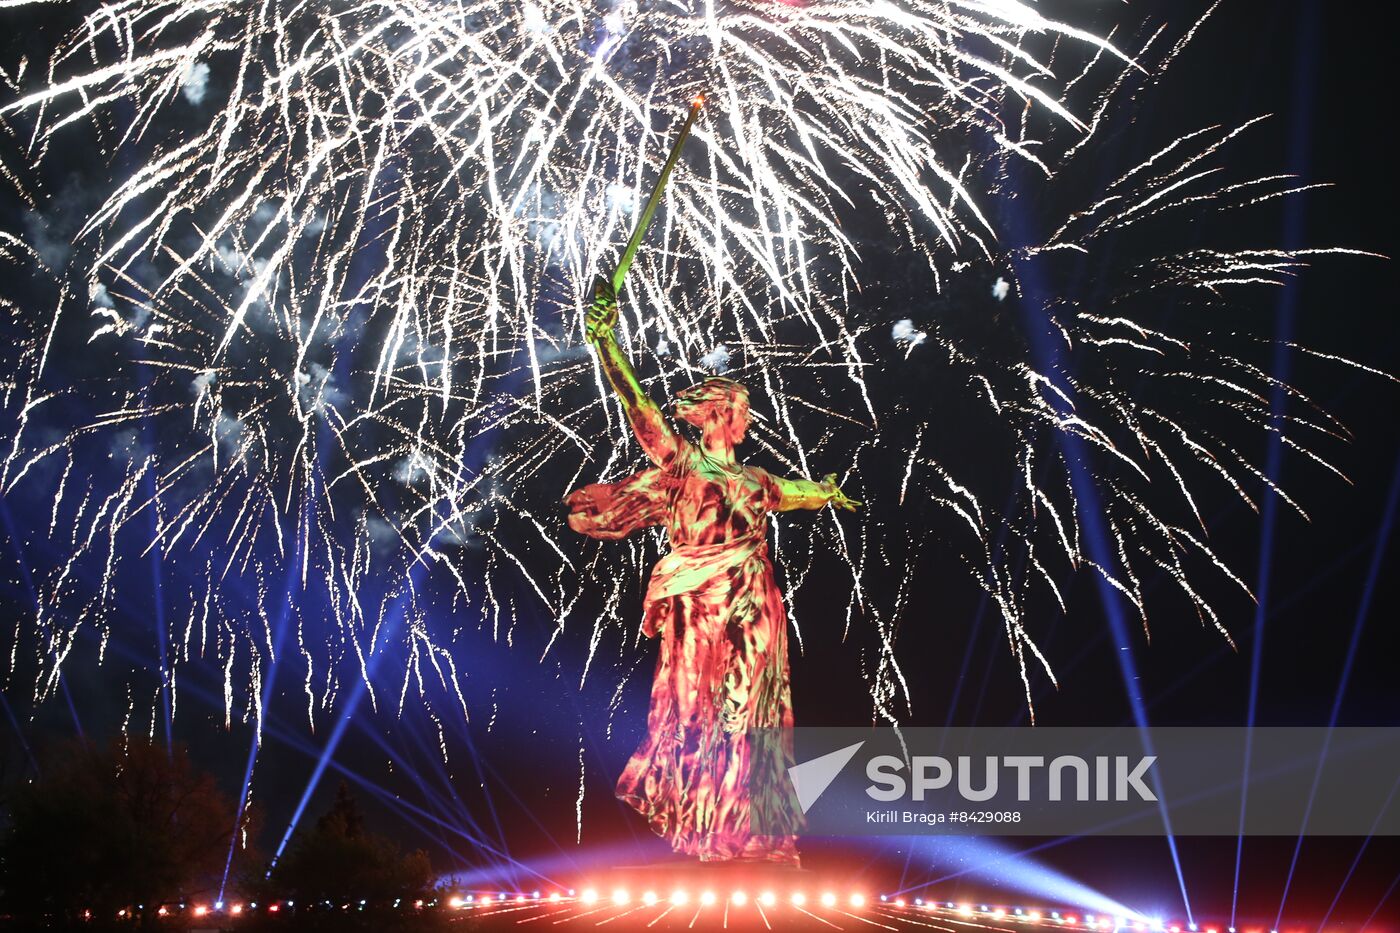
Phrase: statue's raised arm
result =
(649, 424)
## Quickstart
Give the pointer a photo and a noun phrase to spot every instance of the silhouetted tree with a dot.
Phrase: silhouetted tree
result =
(341, 862)
(344, 814)
(108, 828)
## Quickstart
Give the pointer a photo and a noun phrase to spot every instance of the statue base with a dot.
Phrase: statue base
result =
(695, 876)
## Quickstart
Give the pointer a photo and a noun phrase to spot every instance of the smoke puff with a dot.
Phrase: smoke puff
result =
(195, 83)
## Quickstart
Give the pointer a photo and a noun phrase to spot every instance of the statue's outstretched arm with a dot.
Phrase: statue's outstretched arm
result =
(805, 494)
(653, 431)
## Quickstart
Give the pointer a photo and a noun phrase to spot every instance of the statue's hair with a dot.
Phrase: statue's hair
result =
(716, 390)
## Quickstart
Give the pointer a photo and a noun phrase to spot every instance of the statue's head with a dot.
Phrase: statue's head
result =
(716, 404)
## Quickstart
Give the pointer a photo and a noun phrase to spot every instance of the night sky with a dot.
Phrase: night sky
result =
(511, 777)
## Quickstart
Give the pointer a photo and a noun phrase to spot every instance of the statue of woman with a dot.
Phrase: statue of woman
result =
(716, 752)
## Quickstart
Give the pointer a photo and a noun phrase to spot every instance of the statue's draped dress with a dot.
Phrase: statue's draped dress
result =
(712, 770)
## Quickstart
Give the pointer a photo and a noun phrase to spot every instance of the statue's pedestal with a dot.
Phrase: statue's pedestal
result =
(694, 882)
(720, 877)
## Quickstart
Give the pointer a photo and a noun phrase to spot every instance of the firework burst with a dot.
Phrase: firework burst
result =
(329, 289)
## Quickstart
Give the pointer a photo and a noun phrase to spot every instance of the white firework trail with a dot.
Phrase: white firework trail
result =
(1081, 381)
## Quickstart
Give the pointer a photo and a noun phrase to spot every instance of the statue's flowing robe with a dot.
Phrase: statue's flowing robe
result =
(711, 774)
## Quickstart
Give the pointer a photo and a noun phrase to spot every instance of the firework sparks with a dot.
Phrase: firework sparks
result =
(333, 295)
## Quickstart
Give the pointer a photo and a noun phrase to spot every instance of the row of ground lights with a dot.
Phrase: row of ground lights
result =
(1087, 922)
